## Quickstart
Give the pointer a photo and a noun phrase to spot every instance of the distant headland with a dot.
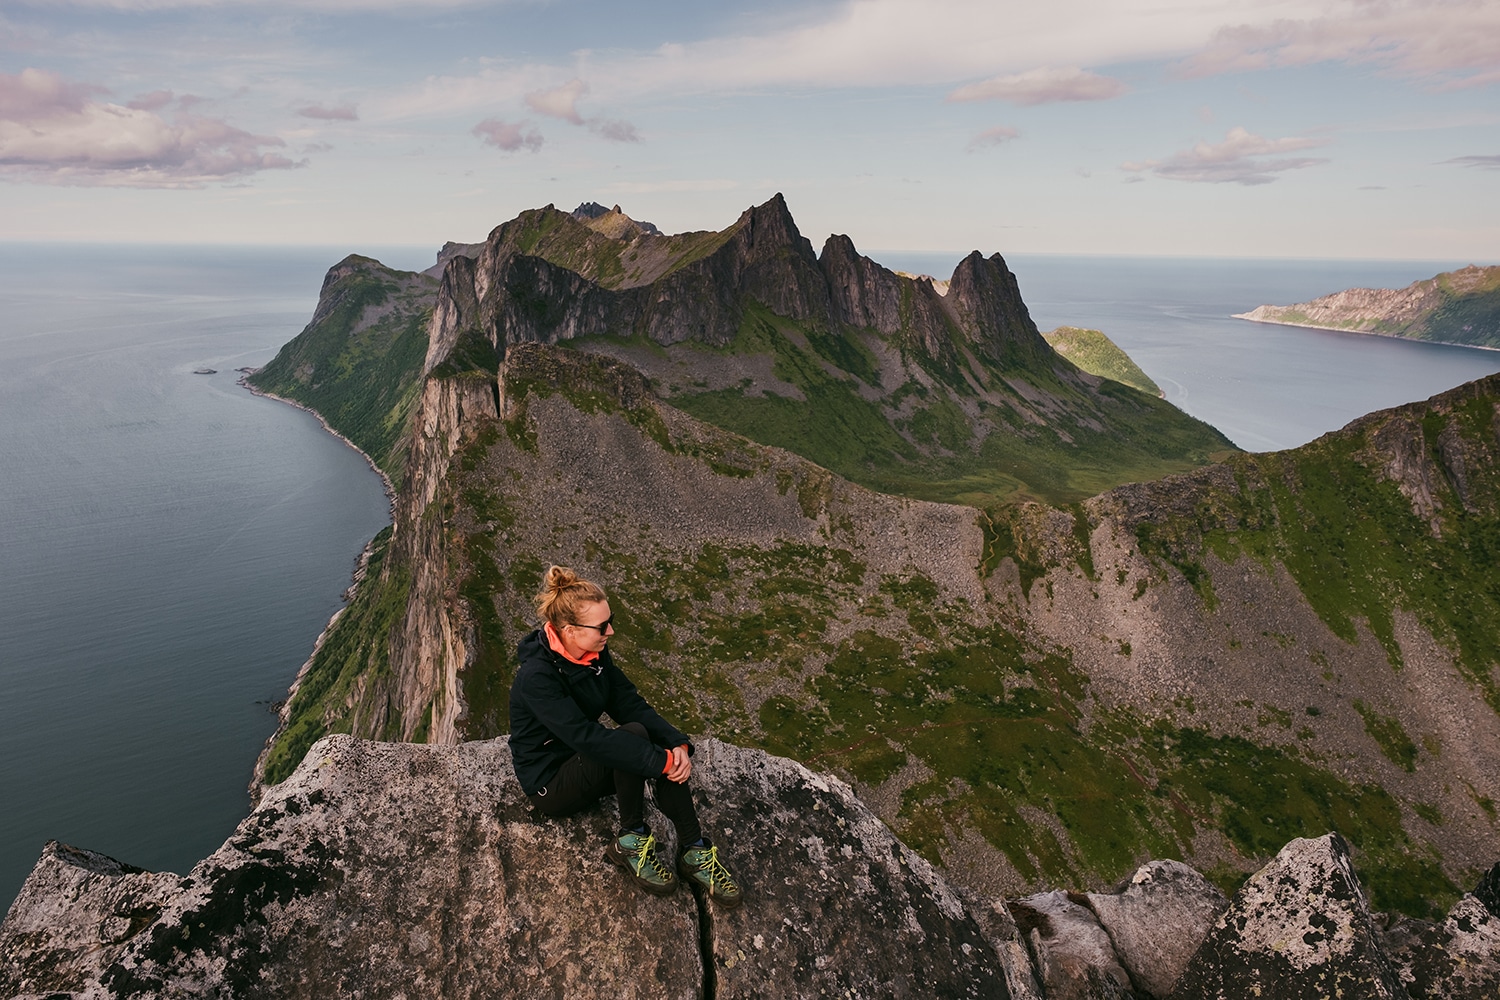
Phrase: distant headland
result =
(1456, 307)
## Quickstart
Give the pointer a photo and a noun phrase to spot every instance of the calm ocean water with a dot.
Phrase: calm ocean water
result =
(171, 544)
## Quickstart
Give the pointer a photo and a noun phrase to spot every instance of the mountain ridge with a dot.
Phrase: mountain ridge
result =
(1057, 691)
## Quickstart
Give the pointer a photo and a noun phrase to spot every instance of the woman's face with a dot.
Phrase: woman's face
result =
(590, 630)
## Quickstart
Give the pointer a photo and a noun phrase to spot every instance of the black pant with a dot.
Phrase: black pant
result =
(581, 781)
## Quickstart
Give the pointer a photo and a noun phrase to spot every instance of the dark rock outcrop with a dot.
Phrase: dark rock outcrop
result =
(384, 870)
(1458, 958)
(1488, 891)
(1299, 928)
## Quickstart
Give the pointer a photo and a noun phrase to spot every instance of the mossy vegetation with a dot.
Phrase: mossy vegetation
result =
(1358, 550)
(798, 649)
(355, 648)
(1096, 354)
(359, 362)
(942, 440)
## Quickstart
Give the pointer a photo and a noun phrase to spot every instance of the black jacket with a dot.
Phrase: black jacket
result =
(555, 706)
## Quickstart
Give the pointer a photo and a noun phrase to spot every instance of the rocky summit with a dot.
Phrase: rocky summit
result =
(394, 870)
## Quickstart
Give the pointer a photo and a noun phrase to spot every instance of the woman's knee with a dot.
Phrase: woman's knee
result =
(635, 728)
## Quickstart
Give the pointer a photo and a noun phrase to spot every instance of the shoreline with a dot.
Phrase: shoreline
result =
(257, 784)
(390, 489)
(1363, 333)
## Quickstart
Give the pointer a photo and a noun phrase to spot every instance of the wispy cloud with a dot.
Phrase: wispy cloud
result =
(992, 137)
(880, 43)
(340, 113)
(615, 130)
(562, 102)
(54, 130)
(559, 102)
(154, 101)
(1482, 162)
(1242, 158)
(509, 136)
(1042, 86)
(1448, 43)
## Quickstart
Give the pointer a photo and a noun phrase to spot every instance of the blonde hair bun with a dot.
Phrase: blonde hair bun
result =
(564, 594)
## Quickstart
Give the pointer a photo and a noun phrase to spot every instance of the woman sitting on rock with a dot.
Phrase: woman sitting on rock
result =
(566, 759)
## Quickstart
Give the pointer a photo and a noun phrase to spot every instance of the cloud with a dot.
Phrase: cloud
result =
(341, 113)
(1482, 162)
(559, 102)
(1042, 86)
(52, 130)
(509, 136)
(874, 43)
(614, 130)
(992, 137)
(1242, 158)
(35, 94)
(154, 101)
(1447, 43)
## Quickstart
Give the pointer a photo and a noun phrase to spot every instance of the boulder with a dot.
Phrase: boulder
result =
(1074, 957)
(1457, 959)
(1299, 929)
(384, 869)
(1158, 920)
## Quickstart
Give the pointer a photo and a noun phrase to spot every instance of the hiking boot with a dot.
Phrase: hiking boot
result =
(701, 867)
(636, 853)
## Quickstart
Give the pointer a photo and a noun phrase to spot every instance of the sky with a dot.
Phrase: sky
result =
(1280, 128)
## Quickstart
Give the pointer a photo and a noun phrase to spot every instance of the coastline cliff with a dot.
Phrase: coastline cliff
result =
(1456, 307)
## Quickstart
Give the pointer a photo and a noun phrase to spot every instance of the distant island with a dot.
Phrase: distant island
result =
(1456, 307)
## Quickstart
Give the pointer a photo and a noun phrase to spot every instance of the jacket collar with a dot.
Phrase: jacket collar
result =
(589, 659)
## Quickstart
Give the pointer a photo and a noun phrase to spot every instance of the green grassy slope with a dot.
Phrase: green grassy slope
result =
(1334, 514)
(1096, 354)
(561, 239)
(804, 650)
(935, 436)
(359, 362)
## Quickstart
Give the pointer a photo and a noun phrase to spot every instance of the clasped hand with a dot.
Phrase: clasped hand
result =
(680, 766)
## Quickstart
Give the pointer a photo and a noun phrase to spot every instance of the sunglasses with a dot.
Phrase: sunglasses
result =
(602, 628)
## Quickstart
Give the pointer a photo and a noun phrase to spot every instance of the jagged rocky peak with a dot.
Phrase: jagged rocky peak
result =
(549, 276)
(451, 250)
(612, 222)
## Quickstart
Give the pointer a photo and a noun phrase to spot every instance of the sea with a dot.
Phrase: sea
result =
(171, 544)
